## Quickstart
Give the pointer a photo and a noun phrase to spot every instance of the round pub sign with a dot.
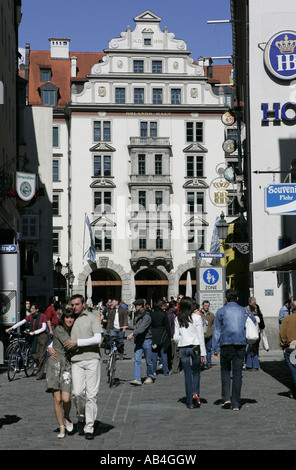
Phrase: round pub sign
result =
(280, 55)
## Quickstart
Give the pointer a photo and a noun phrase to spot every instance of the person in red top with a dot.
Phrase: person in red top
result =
(51, 316)
(37, 326)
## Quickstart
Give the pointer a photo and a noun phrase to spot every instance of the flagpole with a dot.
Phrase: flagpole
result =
(83, 253)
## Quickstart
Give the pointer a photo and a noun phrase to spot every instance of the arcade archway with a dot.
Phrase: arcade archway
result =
(151, 284)
(106, 284)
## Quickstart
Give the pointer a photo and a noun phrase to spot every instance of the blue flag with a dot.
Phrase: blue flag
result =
(215, 241)
(91, 254)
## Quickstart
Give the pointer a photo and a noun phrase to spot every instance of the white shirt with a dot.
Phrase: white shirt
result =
(116, 320)
(193, 335)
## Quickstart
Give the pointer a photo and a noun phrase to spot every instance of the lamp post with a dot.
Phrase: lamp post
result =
(71, 281)
(222, 228)
(58, 269)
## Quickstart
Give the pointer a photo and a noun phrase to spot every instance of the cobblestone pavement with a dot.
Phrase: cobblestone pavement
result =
(155, 417)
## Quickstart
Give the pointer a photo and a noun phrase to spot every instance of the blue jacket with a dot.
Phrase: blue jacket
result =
(229, 326)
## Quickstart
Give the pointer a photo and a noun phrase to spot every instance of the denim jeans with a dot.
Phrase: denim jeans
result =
(191, 368)
(292, 369)
(158, 351)
(208, 344)
(231, 359)
(119, 335)
(145, 347)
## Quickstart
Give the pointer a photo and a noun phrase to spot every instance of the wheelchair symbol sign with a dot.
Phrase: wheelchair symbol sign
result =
(211, 277)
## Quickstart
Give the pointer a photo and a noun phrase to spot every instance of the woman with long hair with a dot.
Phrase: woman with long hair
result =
(58, 374)
(189, 336)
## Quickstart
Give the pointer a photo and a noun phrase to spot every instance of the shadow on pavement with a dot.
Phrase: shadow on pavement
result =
(9, 419)
(278, 370)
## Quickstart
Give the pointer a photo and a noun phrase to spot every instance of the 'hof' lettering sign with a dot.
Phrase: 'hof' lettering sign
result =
(280, 55)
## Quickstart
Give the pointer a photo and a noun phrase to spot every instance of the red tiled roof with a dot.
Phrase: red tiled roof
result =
(60, 73)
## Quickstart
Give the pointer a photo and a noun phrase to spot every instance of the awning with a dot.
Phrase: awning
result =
(283, 260)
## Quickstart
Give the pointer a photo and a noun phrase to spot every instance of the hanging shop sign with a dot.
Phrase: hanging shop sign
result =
(280, 56)
(280, 199)
(25, 185)
(221, 192)
(228, 118)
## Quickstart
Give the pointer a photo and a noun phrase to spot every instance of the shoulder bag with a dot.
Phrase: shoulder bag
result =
(252, 334)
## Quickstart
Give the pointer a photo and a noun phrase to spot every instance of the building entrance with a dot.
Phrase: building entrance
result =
(151, 284)
(106, 284)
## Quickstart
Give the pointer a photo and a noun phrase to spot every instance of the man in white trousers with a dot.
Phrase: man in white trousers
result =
(86, 367)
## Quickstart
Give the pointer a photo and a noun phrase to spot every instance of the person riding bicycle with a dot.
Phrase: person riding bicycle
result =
(37, 325)
(117, 324)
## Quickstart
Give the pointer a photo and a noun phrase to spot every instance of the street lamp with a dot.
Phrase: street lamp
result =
(222, 227)
(71, 281)
(58, 269)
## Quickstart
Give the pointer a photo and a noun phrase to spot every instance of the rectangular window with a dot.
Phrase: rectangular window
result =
(194, 132)
(45, 75)
(194, 166)
(142, 240)
(195, 240)
(157, 96)
(175, 96)
(102, 201)
(195, 202)
(138, 66)
(159, 239)
(30, 227)
(102, 165)
(142, 164)
(102, 131)
(158, 199)
(158, 164)
(148, 129)
(55, 205)
(55, 243)
(55, 170)
(55, 136)
(147, 42)
(103, 240)
(139, 95)
(156, 66)
(142, 200)
(119, 95)
(49, 97)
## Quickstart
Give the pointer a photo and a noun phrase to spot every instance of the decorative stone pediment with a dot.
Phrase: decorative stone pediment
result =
(195, 147)
(196, 221)
(147, 16)
(102, 147)
(196, 184)
(102, 182)
(103, 221)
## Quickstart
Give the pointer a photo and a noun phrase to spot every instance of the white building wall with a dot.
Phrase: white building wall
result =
(266, 18)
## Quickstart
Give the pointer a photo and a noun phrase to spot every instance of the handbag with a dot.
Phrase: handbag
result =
(252, 334)
(265, 341)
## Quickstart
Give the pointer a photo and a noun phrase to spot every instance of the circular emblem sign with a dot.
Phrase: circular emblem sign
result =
(280, 55)
(211, 276)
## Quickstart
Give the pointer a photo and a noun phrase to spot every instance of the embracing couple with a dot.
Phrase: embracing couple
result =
(74, 367)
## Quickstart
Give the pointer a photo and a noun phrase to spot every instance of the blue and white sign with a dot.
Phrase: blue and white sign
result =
(210, 254)
(280, 199)
(211, 279)
(280, 55)
(8, 249)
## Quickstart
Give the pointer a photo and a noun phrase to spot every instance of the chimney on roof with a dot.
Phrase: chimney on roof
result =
(59, 48)
(73, 66)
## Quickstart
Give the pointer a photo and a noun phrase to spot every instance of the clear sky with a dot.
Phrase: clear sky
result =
(90, 24)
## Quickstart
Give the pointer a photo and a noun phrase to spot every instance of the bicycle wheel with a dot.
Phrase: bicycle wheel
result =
(111, 370)
(13, 364)
(29, 363)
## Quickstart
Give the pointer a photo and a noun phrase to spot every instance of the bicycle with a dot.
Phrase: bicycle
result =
(20, 356)
(111, 363)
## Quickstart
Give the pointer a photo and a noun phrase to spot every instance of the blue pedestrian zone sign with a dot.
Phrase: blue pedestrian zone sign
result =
(211, 277)
(280, 199)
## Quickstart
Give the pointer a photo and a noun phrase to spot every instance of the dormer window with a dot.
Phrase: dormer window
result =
(45, 75)
(49, 94)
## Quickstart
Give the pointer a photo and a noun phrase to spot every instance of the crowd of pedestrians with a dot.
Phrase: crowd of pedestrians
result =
(174, 337)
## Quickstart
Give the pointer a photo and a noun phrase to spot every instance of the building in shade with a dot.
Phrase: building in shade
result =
(137, 175)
